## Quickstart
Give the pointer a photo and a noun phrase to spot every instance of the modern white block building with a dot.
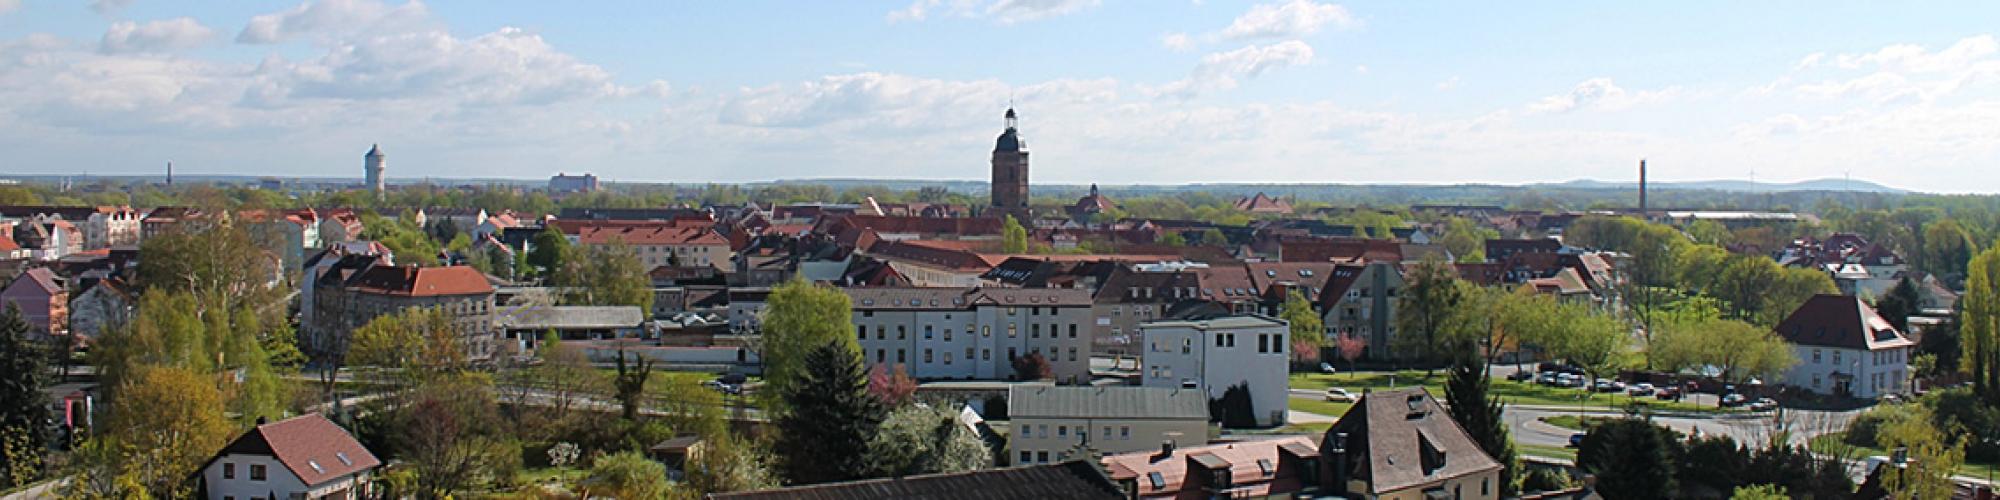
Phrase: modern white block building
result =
(1050, 422)
(1215, 354)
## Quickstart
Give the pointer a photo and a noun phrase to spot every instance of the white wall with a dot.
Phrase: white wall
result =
(1057, 435)
(1885, 371)
(277, 479)
(1174, 356)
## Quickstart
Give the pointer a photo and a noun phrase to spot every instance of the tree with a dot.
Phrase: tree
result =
(1932, 458)
(728, 464)
(174, 329)
(565, 375)
(1013, 237)
(605, 275)
(1234, 409)
(1173, 239)
(165, 422)
(1351, 348)
(824, 435)
(1759, 492)
(631, 383)
(24, 407)
(548, 250)
(893, 389)
(1480, 414)
(798, 318)
(1739, 351)
(1979, 325)
(918, 439)
(627, 474)
(448, 431)
(418, 342)
(1631, 457)
(1033, 366)
(1899, 304)
(1947, 247)
(1306, 325)
(1213, 237)
(1596, 342)
(1430, 295)
(1708, 232)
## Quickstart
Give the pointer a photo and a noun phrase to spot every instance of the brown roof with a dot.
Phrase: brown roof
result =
(1247, 475)
(311, 447)
(421, 281)
(937, 298)
(42, 278)
(1339, 249)
(934, 255)
(1264, 204)
(975, 226)
(1391, 431)
(1071, 480)
(660, 234)
(1840, 321)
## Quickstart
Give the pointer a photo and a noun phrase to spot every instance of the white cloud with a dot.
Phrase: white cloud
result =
(1449, 83)
(1177, 42)
(1220, 71)
(1361, 68)
(109, 7)
(155, 36)
(9, 5)
(1292, 19)
(1916, 59)
(1001, 11)
(915, 12)
(1902, 73)
(1600, 94)
(331, 17)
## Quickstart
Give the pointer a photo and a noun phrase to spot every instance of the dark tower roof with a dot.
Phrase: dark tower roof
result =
(374, 150)
(1011, 139)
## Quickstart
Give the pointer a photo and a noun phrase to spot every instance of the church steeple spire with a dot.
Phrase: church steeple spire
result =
(1010, 118)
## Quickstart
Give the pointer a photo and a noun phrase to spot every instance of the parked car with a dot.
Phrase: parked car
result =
(1763, 404)
(1558, 368)
(1520, 375)
(1326, 368)
(1546, 378)
(1733, 400)
(1340, 395)
(1668, 393)
(1571, 380)
(1640, 389)
(1576, 440)
(1608, 385)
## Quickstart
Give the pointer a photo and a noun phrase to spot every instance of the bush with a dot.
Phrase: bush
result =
(1545, 479)
(1863, 429)
(1234, 409)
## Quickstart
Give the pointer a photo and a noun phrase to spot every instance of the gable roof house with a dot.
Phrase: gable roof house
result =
(306, 457)
(1845, 348)
(1402, 444)
(1270, 468)
(43, 300)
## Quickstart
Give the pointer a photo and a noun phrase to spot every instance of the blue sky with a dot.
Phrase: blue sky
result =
(1110, 91)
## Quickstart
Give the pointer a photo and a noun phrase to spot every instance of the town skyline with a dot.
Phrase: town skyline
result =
(1112, 93)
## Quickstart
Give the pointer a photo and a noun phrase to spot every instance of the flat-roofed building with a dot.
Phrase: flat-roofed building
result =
(973, 333)
(1050, 422)
(1216, 354)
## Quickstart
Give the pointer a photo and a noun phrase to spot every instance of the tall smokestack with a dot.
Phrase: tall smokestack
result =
(170, 172)
(1642, 188)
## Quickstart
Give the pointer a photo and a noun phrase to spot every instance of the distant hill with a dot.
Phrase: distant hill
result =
(1736, 185)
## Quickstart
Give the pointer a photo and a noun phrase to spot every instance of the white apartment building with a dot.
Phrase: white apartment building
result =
(1214, 354)
(973, 333)
(1845, 349)
(1050, 422)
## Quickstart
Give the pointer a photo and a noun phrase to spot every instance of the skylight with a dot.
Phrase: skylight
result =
(1156, 479)
(343, 458)
(315, 466)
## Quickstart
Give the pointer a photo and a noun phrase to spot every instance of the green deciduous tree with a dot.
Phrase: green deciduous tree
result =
(726, 464)
(1429, 299)
(165, 422)
(547, 251)
(799, 317)
(918, 439)
(1979, 325)
(1738, 350)
(1933, 457)
(830, 418)
(1306, 325)
(605, 275)
(1013, 237)
(627, 474)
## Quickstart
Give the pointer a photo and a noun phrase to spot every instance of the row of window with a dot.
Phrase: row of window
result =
(256, 471)
(1063, 431)
(931, 331)
(1877, 357)
(882, 355)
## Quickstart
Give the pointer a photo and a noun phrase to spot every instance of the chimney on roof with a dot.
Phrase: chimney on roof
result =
(1166, 449)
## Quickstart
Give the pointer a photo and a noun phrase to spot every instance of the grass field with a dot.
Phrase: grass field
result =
(1572, 422)
(1831, 443)
(1545, 451)
(1320, 406)
(1510, 392)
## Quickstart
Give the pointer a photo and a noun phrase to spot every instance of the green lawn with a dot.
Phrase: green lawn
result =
(1320, 406)
(1572, 422)
(1317, 428)
(1530, 450)
(1511, 392)
(1832, 443)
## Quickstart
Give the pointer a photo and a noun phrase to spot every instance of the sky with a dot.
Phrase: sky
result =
(1108, 91)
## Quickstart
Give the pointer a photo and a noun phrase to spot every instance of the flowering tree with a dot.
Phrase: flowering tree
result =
(893, 389)
(1350, 349)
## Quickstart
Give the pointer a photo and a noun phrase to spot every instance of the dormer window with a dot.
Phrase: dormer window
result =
(1265, 467)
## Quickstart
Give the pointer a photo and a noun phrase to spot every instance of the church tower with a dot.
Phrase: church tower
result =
(373, 167)
(1010, 173)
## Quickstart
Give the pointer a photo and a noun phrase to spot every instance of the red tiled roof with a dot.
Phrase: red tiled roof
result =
(42, 278)
(1263, 204)
(1247, 475)
(311, 447)
(8, 245)
(422, 281)
(1840, 321)
(1339, 249)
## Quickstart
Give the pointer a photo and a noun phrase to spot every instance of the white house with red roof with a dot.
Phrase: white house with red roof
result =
(307, 457)
(1845, 349)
